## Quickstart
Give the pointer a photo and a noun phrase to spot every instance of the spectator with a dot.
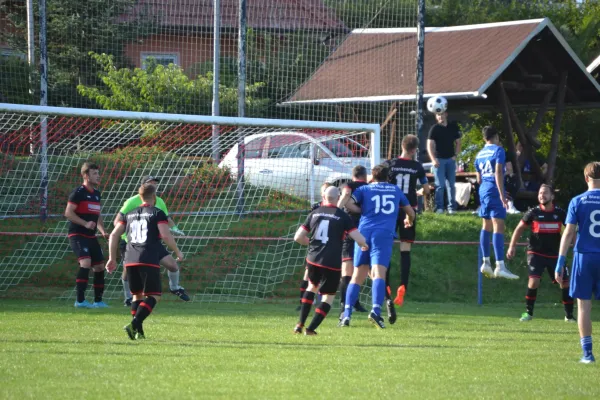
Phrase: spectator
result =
(532, 184)
(443, 144)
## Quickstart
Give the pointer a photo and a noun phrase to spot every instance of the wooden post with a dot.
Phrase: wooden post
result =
(527, 147)
(510, 141)
(560, 109)
(392, 139)
(533, 131)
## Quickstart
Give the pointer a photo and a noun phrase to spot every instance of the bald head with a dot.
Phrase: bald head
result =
(331, 195)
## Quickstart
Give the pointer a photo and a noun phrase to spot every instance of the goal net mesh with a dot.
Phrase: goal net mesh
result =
(238, 223)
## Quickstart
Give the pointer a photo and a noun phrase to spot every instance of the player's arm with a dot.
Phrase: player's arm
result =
(113, 243)
(410, 215)
(74, 218)
(167, 237)
(160, 204)
(346, 196)
(565, 242)
(515, 238)
(431, 151)
(100, 225)
(424, 182)
(353, 207)
(499, 175)
(359, 238)
(301, 236)
(457, 147)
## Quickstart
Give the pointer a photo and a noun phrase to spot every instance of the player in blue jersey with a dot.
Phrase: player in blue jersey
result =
(379, 203)
(489, 164)
(583, 220)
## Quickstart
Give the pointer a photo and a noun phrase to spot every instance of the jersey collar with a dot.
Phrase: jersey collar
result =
(88, 189)
(547, 209)
(323, 204)
(145, 205)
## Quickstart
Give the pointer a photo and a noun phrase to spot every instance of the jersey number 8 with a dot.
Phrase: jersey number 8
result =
(139, 231)
(595, 219)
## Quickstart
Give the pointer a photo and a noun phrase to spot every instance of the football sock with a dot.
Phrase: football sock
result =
(498, 243)
(143, 311)
(345, 281)
(134, 307)
(307, 301)
(530, 300)
(484, 242)
(173, 280)
(81, 283)
(388, 289)
(98, 286)
(404, 268)
(586, 345)
(303, 287)
(126, 290)
(320, 314)
(378, 295)
(567, 302)
(351, 297)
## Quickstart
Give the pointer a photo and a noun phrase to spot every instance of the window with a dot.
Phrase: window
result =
(161, 58)
(287, 146)
(4, 52)
(254, 148)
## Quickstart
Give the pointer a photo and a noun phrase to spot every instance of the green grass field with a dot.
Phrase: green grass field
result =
(52, 351)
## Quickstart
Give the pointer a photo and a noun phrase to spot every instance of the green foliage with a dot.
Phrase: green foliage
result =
(210, 174)
(15, 74)
(164, 89)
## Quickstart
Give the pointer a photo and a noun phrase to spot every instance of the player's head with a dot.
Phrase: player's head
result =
(90, 173)
(546, 194)
(359, 173)
(149, 179)
(148, 193)
(592, 174)
(380, 173)
(410, 145)
(490, 135)
(331, 195)
(442, 117)
(324, 187)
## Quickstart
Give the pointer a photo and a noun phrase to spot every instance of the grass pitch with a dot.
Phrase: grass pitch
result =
(48, 350)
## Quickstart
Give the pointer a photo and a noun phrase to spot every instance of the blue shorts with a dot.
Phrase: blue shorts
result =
(585, 277)
(492, 207)
(381, 244)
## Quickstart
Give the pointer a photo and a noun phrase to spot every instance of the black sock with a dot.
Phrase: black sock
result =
(388, 289)
(530, 300)
(81, 283)
(134, 307)
(320, 314)
(404, 268)
(345, 281)
(567, 302)
(303, 287)
(98, 286)
(307, 301)
(144, 309)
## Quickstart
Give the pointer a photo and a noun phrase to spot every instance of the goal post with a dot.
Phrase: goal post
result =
(239, 214)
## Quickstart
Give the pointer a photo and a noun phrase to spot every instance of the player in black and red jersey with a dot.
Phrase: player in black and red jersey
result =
(83, 212)
(546, 222)
(359, 178)
(405, 172)
(145, 227)
(324, 231)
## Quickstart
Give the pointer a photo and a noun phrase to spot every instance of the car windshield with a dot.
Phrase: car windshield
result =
(344, 148)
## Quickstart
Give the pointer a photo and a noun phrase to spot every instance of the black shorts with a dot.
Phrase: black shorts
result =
(85, 247)
(144, 280)
(348, 249)
(407, 235)
(537, 264)
(327, 279)
(162, 252)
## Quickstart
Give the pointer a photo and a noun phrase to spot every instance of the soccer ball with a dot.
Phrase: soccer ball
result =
(437, 104)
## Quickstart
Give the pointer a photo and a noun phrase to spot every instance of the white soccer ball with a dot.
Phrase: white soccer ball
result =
(437, 104)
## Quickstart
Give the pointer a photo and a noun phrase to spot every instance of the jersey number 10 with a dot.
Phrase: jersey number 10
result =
(139, 231)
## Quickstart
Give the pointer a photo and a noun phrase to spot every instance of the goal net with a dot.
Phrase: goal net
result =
(237, 187)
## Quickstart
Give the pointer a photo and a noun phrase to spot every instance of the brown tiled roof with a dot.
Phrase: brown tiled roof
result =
(460, 62)
(261, 14)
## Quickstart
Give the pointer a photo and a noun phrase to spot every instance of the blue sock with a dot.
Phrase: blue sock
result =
(498, 243)
(484, 242)
(378, 294)
(586, 345)
(351, 296)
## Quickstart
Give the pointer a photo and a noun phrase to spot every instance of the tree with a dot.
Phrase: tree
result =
(74, 28)
(164, 89)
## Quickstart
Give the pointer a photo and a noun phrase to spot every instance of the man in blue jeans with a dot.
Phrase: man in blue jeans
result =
(443, 144)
